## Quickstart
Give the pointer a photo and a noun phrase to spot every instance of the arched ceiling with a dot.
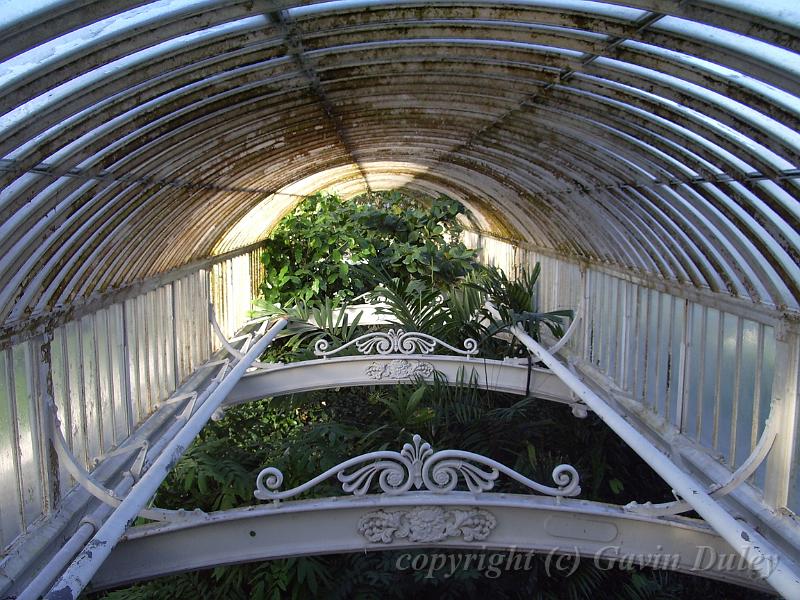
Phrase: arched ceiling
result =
(659, 136)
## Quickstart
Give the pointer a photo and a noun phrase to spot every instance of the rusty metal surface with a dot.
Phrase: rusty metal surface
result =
(619, 133)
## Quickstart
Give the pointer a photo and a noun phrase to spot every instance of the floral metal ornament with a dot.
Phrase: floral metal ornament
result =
(418, 466)
(400, 369)
(427, 524)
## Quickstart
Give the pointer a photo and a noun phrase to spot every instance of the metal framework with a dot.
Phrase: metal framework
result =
(645, 151)
(417, 466)
(580, 530)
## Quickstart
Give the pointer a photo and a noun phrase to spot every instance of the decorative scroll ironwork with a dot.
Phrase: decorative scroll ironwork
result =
(418, 466)
(427, 524)
(395, 341)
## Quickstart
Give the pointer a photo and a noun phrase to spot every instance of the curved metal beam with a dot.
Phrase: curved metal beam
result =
(509, 376)
(580, 530)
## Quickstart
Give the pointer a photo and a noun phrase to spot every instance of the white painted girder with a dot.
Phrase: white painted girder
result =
(580, 530)
(510, 376)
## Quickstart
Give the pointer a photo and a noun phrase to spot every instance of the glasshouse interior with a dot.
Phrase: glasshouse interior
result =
(394, 299)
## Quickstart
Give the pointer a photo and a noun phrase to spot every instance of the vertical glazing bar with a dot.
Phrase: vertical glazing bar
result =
(677, 355)
(769, 377)
(105, 379)
(163, 364)
(728, 378)
(41, 396)
(145, 367)
(683, 367)
(755, 428)
(737, 381)
(205, 324)
(165, 336)
(194, 330)
(77, 432)
(701, 358)
(61, 397)
(151, 348)
(176, 336)
(169, 339)
(90, 388)
(132, 359)
(669, 358)
(620, 335)
(718, 382)
(640, 347)
(159, 309)
(127, 368)
(588, 321)
(625, 336)
(119, 351)
(650, 382)
(601, 324)
(663, 363)
(180, 331)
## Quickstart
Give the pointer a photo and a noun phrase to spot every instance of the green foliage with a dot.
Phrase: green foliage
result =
(517, 303)
(328, 318)
(322, 247)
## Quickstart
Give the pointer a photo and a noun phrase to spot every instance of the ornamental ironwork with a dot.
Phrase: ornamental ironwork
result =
(427, 524)
(418, 466)
(395, 341)
(399, 369)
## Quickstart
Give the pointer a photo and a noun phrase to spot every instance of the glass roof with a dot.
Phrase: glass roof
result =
(523, 109)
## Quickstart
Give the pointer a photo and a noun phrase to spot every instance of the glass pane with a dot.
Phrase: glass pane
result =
(710, 352)
(10, 515)
(747, 380)
(27, 434)
(727, 379)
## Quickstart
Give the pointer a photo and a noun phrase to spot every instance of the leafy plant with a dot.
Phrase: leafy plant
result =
(329, 318)
(517, 303)
(322, 247)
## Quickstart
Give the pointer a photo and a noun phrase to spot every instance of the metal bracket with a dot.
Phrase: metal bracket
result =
(716, 490)
(77, 472)
(248, 338)
(573, 327)
(85, 479)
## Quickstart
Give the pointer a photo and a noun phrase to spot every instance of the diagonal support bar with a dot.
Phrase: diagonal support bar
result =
(80, 572)
(759, 555)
